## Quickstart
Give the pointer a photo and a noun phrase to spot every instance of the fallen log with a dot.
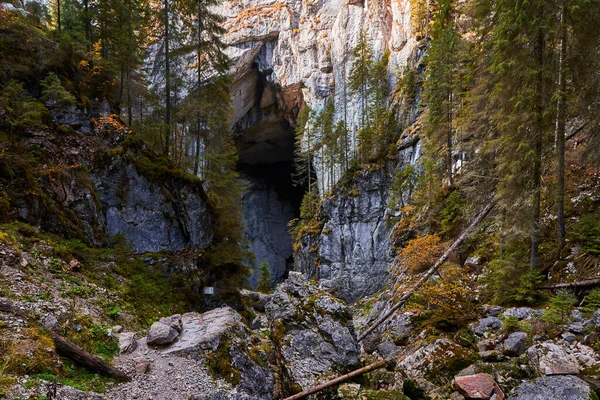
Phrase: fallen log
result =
(338, 380)
(480, 217)
(66, 348)
(569, 285)
(85, 359)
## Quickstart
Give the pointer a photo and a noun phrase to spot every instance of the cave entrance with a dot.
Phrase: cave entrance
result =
(265, 144)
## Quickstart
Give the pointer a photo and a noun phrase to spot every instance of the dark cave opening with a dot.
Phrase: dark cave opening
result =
(265, 142)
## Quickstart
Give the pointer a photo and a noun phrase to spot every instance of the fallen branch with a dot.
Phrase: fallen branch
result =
(85, 359)
(569, 285)
(336, 381)
(480, 217)
(66, 348)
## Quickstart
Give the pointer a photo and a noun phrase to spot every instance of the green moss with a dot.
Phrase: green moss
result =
(382, 395)
(219, 364)
(78, 377)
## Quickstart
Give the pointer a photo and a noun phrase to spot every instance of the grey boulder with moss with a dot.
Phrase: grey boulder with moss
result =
(313, 332)
(555, 388)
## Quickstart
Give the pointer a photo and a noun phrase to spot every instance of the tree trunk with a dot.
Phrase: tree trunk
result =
(571, 285)
(58, 14)
(68, 349)
(167, 81)
(337, 381)
(537, 148)
(83, 358)
(560, 133)
(480, 217)
(130, 50)
(88, 26)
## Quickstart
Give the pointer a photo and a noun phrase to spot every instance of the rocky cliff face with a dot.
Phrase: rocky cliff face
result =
(151, 217)
(291, 52)
(267, 214)
(287, 53)
(353, 250)
(84, 193)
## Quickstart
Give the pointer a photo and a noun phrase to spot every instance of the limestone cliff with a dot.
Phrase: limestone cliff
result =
(290, 53)
(287, 53)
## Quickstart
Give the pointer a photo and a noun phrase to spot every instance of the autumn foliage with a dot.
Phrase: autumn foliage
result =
(420, 253)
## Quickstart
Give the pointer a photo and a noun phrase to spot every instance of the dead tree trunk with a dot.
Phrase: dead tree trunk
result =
(480, 217)
(85, 359)
(68, 349)
(336, 381)
(571, 285)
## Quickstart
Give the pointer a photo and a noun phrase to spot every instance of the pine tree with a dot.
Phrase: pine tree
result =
(303, 152)
(360, 77)
(440, 87)
(264, 279)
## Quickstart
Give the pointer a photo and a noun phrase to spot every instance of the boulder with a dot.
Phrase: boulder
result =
(576, 328)
(173, 321)
(488, 324)
(221, 340)
(50, 322)
(492, 311)
(479, 386)
(161, 334)
(569, 337)
(313, 331)
(596, 318)
(127, 342)
(437, 362)
(515, 344)
(559, 387)
(521, 313)
(551, 359)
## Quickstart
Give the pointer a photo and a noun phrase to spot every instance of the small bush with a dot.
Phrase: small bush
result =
(587, 233)
(509, 280)
(559, 308)
(54, 92)
(591, 302)
(421, 253)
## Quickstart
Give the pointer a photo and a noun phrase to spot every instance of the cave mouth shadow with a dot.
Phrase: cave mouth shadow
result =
(278, 175)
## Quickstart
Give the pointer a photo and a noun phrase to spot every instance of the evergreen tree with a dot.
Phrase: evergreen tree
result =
(264, 279)
(440, 87)
(303, 152)
(359, 81)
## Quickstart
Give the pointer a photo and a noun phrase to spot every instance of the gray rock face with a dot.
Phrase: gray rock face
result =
(354, 246)
(551, 359)
(313, 331)
(266, 215)
(515, 344)
(488, 324)
(306, 51)
(522, 313)
(434, 362)
(127, 342)
(150, 216)
(553, 387)
(161, 334)
(220, 335)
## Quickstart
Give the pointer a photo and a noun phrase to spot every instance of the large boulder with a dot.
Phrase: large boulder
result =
(479, 386)
(221, 340)
(558, 387)
(437, 362)
(161, 334)
(486, 325)
(551, 359)
(313, 332)
(515, 344)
